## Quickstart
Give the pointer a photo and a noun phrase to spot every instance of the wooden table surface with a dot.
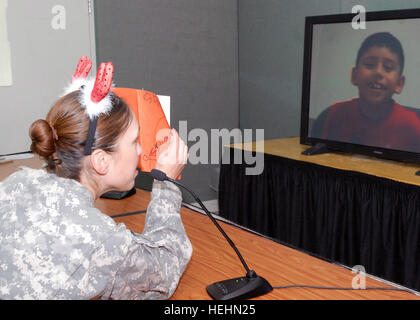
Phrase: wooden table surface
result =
(292, 149)
(214, 260)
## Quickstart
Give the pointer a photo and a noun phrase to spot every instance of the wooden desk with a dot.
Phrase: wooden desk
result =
(8, 168)
(352, 209)
(213, 259)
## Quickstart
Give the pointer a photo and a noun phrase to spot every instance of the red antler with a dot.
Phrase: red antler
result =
(103, 81)
(83, 68)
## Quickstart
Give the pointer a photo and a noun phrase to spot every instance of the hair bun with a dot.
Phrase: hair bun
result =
(42, 137)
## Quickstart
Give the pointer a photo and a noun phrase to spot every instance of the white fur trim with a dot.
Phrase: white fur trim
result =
(75, 85)
(94, 109)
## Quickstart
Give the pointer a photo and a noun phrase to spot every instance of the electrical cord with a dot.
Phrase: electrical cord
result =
(343, 288)
(189, 205)
(127, 214)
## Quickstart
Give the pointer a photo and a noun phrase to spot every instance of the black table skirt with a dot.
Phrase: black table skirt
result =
(344, 216)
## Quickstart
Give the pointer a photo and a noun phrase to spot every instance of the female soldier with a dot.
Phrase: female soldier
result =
(53, 243)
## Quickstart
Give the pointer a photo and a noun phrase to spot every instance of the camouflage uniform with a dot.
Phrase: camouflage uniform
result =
(55, 245)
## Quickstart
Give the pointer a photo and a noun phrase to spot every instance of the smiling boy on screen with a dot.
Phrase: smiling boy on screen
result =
(374, 118)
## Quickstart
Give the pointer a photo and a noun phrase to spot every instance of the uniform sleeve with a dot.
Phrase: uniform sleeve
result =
(155, 260)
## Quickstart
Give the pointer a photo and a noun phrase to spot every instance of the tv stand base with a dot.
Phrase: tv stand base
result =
(318, 148)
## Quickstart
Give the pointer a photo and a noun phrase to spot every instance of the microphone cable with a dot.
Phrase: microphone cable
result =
(214, 222)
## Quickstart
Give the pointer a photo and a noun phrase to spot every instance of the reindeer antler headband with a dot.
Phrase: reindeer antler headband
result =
(94, 93)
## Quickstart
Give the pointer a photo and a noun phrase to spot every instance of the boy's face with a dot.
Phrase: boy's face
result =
(378, 75)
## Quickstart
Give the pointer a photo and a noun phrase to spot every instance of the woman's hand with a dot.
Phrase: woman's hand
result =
(172, 155)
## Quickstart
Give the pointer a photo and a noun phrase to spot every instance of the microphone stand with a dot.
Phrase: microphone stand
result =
(246, 287)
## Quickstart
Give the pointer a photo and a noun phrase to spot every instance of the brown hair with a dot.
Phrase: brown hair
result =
(60, 139)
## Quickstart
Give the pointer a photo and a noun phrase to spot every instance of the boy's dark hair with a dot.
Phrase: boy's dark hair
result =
(382, 39)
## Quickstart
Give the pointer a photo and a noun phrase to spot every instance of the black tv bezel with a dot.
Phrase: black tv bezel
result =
(338, 146)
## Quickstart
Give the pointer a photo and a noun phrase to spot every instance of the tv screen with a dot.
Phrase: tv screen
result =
(361, 86)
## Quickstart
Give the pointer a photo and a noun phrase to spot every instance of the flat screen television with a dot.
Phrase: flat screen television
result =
(361, 87)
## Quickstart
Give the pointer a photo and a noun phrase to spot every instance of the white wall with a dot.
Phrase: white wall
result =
(46, 40)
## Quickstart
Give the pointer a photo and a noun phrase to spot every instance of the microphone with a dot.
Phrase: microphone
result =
(246, 287)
